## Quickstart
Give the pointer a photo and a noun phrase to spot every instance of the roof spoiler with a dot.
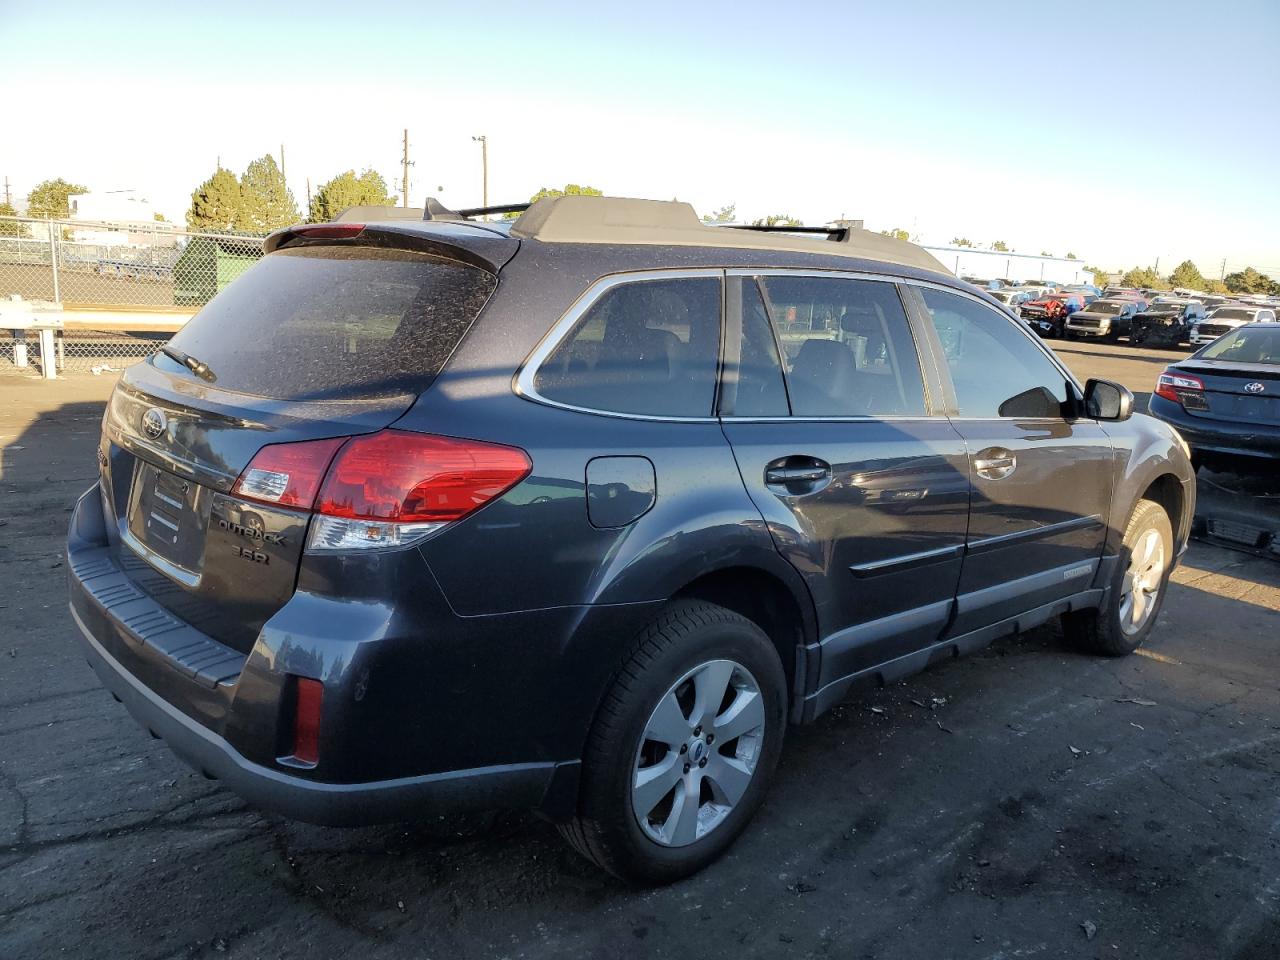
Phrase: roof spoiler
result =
(363, 214)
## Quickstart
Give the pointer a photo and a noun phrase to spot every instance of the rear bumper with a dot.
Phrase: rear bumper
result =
(1219, 436)
(414, 724)
(336, 804)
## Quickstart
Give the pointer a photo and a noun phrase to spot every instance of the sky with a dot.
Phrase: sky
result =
(1123, 132)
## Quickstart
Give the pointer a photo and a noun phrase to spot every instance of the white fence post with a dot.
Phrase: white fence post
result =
(53, 260)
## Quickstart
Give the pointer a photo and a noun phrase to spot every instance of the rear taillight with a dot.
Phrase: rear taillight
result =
(393, 488)
(385, 489)
(287, 474)
(329, 231)
(1182, 389)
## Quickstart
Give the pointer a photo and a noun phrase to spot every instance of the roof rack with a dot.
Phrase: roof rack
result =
(590, 219)
(832, 233)
(435, 210)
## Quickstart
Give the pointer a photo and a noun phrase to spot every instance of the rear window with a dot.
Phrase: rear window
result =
(335, 323)
(647, 347)
(1232, 313)
(1247, 345)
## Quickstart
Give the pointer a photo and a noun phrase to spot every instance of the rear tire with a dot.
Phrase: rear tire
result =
(1137, 589)
(698, 769)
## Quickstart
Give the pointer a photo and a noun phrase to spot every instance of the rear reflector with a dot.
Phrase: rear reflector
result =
(306, 720)
(287, 474)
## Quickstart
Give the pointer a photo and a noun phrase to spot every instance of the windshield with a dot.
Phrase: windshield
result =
(1246, 345)
(1105, 308)
(334, 323)
(1232, 313)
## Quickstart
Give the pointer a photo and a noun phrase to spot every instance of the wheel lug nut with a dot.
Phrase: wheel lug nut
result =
(684, 748)
(686, 768)
(711, 738)
(697, 731)
(702, 762)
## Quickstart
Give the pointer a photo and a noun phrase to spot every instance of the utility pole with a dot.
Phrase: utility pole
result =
(282, 161)
(484, 165)
(405, 165)
(308, 196)
(9, 200)
(1222, 274)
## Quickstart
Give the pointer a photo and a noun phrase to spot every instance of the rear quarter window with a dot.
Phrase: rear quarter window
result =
(335, 323)
(644, 347)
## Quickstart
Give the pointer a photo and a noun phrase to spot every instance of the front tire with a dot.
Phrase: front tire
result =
(1137, 590)
(683, 748)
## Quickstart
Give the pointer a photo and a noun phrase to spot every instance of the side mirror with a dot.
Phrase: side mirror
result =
(1106, 400)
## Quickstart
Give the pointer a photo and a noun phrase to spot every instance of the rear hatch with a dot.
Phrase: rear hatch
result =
(1245, 392)
(318, 340)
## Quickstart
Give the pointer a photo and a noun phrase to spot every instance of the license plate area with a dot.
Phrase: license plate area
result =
(168, 520)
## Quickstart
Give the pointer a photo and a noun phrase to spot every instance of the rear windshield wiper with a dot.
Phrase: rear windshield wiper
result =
(199, 368)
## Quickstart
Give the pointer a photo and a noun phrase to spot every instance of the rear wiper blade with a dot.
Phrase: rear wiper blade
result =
(199, 368)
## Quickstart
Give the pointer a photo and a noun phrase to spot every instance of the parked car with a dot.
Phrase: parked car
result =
(1047, 315)
(1165, 323)
(1013, 299)
(379, 535)
(1225, 319)
(1225, 398)
(1102, 318)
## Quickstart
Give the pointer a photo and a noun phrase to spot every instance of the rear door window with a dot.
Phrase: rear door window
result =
(335, 323)
(847, 347)
(646, 347)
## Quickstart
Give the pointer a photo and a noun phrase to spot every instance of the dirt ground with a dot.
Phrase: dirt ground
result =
(1026, 802)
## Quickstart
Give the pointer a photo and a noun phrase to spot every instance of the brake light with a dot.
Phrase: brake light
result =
(309, 695)
(1182, 388)
(386, 489)
(394, 488)
(287, 474)
(329, 231)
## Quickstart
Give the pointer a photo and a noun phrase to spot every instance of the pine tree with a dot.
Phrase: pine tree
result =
(215, 204)
(347, 190)
(265, 201)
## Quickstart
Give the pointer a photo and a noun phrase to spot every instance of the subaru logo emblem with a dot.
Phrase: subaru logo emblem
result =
(1254, 387)
(154, 423)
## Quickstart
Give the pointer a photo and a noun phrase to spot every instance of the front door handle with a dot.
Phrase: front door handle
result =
(994, 463)
(796, 475)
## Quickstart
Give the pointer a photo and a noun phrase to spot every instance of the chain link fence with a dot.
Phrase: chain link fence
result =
(80, 263)
(93, 267)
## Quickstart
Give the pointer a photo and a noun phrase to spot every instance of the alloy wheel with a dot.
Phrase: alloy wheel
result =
(1142, 581)
(698, 753)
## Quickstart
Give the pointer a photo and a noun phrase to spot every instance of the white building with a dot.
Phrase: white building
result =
(118, 218)
(995, 264)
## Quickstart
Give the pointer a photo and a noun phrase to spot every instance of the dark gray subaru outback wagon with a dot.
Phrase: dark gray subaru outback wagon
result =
(576, 513)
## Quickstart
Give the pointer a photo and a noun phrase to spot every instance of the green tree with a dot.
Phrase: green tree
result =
(897, 233)
(158, 217)
(347, 190)
(777, 220)
(724, 215)
(1001, 246)
(1045, 253)
(266, 203)
(1100, 277)
(570, 190)
(1215, 286)
(216, 204)
(1072, 256)
(10, 228)
(1186, 274)
(961, 242)
(1141, 277)
(1250, 280)
(49, 199)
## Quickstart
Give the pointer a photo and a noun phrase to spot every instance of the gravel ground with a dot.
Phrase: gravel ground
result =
(1026, 802)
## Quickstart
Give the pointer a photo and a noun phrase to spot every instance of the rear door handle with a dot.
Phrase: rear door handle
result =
(796, 475)
(994, 463)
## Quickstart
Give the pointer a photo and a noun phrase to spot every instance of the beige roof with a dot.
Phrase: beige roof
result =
(586, 219)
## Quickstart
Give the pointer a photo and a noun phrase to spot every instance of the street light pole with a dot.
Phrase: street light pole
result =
(484, 164)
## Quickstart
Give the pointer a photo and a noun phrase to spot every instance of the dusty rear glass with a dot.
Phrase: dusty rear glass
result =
(335, 323)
